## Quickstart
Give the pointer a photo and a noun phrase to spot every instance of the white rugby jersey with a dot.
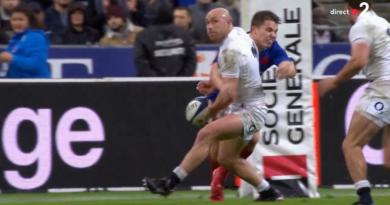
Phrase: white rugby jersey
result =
(375, 30)
(238, 58)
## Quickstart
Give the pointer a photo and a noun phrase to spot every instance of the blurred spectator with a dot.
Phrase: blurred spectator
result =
(136, 12)
(186, 2)
(94, 19)
(150, 12)
(78, 32)
(102, 5)
(314, 4)
(3, 38)
(43, 3)
(233, 6)
(118, 31)
(182, 17)
(199, 11)
(38, 12)
(27, 51)
(322, 33)
(163, 49)
(98, 18)
(56, 19)
(6, 8)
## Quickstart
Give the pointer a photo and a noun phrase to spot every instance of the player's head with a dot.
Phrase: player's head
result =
(355, 7)
(219, 24)
(264, 27)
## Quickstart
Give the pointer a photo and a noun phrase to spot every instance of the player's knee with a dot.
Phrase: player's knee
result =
(349, 144)
(352, 143)
(346, 145)
(204, 136)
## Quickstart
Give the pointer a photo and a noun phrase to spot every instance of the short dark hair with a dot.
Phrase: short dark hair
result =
(187, 9)
(261, 16)
(25, 9)
(355, 4)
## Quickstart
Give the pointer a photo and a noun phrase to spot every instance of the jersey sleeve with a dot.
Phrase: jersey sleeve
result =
(360, 32)
(278, 54)
(230, 63)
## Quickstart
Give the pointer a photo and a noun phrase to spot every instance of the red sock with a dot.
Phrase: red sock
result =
(217, 184)
(219, 176)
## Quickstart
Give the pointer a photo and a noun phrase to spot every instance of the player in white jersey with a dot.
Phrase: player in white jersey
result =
(264, 27)
(240, 85)
(370, 51)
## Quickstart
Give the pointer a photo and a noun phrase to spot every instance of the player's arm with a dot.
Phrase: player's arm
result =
(205, 87)
(226, 81)
(216, 80)
(360, 53)
(227, 94)
(286, 69)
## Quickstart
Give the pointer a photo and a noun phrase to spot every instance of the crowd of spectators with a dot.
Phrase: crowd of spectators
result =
(110, 22)
(117, 22)
(163, 32)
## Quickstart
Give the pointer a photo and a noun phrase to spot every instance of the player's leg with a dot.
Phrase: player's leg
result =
(386, 146)
(360, 132)
(220, 173)
(227, 127)
(213, 156)
(248, 149)
(229, 157)
(217, 176)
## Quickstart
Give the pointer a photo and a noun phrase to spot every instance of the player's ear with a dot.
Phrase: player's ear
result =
(252, 29)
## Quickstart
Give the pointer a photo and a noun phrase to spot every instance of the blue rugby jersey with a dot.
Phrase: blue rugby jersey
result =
(273, 55)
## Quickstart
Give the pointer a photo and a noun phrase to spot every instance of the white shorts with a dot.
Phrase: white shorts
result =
(375, 103)
(252, 115)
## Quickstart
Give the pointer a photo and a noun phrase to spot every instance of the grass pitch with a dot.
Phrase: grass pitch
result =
(328, 197)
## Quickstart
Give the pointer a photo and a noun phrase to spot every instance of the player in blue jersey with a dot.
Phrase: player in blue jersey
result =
(264, 27)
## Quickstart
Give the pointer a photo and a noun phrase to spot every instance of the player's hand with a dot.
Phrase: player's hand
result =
(204, 87)
(285, 70)
(282, 73)
(326, 85)
(211, 111)
(5, 56)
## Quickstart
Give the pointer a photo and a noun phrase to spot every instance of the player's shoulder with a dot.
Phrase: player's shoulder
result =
(360, 27)
(275, 46)
(238, 40)
(367, 22)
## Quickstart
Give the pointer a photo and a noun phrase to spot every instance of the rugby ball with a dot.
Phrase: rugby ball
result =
(196, 111)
